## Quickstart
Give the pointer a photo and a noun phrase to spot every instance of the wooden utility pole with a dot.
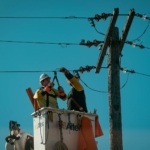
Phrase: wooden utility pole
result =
(115, 48)
(114, 93)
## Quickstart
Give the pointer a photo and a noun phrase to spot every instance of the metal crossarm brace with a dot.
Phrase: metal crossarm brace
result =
(107, 39)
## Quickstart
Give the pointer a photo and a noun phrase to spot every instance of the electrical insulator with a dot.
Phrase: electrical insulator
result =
(95, 42)
(139, 15)
(88, 68)
(82, 42)
(133, 71)
(97, 17)
(81, 69)
(141, 46)
(104, 16)
(89, 44)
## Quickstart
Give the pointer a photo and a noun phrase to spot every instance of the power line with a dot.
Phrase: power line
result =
(76, 70)
(83, 44)
(92, 88)
(144, 17)
(81, 70)
(23, 71)
(134, 45)
(70, 17)
(132, 71)
(127, 42)
(97, 17)
(125, 82)
(104, 91)
(28, 42)
(142, 33)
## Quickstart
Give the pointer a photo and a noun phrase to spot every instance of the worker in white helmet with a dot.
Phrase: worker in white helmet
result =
(46, 96)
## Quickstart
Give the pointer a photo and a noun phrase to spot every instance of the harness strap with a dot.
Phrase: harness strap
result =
(47, 99)
(47, 96)
(54, 96)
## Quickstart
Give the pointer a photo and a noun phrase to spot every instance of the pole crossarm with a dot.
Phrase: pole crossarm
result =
(126, 28)
(107, 39)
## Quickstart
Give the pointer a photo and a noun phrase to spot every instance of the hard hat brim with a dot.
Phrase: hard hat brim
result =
(44, 79)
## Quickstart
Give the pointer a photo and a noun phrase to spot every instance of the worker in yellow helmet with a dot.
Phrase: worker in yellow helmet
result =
(76, 97)
(46, 96)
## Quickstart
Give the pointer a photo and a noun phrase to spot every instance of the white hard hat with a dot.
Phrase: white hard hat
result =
(43, 76)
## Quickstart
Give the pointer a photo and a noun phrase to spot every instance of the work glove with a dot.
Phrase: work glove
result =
(62, 69)
(51, 84)
(61, 91)
(46, 89)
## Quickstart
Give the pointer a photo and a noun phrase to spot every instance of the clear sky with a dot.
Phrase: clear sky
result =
(135, 97)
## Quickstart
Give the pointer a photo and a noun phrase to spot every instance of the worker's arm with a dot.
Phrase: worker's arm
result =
(60, 93)
(75, 83)
(71, 79)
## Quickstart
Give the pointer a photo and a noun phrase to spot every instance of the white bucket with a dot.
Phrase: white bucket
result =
(47, 133)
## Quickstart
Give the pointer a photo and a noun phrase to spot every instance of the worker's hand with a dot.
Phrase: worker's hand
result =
(51, 84)
(47, 89)
(60, 89)
(62, 69)
(81, 109)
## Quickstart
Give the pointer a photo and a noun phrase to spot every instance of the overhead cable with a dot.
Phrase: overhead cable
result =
(125, 82)
(104, 91)
(89, 44)
(92, 88)
(23, 71)
(10, 41)
(83, 43)
(81, 70)
(132, 71)
(142, 33)
(69, 17)
(127, 42)
(97, 17)
(144, 17)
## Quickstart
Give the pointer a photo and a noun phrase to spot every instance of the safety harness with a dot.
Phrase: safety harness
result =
(51, 95)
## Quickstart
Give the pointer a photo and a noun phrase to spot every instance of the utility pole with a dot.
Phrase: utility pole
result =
(115, 48)
(114, 93)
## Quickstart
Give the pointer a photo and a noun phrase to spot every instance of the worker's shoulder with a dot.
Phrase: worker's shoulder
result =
(39, 89)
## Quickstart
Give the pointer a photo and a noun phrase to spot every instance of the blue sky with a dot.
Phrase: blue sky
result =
(15, 104)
